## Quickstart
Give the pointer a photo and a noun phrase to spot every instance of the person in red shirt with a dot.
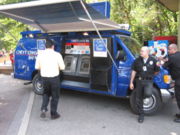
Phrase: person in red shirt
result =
(11, 55)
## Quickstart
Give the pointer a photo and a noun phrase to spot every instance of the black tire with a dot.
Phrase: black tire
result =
(37, 85)
(151, 105)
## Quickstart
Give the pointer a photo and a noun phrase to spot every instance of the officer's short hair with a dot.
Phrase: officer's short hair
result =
(49, 43)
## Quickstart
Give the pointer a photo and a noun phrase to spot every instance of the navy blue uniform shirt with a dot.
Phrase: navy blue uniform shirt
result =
(145, 69)
(173, 64)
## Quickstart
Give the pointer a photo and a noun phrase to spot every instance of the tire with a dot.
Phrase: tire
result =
(37, 85)
(151, 105)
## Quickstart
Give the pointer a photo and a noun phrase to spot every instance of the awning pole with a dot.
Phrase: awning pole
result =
(41, 27)
(87, 12)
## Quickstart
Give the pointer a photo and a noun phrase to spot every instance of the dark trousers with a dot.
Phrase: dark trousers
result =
(177, 92)
(142, 87)
(51, 89)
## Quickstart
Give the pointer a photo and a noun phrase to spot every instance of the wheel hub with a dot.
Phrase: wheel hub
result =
(149, 103)
(39, 85)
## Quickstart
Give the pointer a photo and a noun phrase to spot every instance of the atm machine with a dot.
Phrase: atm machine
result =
(88, 64)
(77, 61)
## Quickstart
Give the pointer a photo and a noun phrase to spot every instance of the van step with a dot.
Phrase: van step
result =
(75, 84)
(27, 83)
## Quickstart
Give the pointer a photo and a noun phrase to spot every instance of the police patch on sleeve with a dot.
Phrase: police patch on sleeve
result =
(151, 62)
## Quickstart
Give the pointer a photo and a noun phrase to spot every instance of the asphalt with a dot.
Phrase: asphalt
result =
(13, 101)
(81, 114)
(88, 114)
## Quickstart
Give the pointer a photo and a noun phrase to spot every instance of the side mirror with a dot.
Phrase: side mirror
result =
(121, 56)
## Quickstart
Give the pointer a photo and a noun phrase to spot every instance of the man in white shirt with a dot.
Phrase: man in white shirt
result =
(50, 63)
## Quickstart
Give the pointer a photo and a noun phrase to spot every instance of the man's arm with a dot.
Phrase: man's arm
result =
(167, 63)
(156, 67)
(133, 74)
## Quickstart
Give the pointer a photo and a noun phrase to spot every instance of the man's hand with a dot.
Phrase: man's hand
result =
(133, 74)
(131, 86)
(166, 59)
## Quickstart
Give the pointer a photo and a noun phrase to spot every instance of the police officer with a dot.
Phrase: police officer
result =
(173, 64)
(143, 70)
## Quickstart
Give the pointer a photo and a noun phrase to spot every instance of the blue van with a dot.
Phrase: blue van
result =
(89, 67)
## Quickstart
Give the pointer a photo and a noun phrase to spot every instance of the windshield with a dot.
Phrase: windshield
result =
(133, 45)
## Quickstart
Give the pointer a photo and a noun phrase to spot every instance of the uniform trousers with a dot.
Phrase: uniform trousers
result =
(142, 87)
(177, 91)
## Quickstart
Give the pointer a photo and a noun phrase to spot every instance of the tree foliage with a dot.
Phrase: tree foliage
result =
(10, 29)
(147, 18)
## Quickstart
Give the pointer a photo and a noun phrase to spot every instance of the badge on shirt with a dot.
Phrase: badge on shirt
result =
(151, 62)
(144, 68)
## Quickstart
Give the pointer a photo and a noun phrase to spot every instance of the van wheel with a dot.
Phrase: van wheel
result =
(151, 105)
(37, 85)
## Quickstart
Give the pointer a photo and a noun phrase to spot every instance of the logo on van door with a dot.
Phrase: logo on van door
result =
(31, 54)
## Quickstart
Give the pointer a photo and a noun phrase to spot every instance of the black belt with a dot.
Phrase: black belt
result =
(145, 78)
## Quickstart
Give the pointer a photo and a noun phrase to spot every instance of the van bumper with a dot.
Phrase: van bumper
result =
(166, 94)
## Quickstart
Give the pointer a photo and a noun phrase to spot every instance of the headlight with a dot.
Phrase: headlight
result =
(167, 79)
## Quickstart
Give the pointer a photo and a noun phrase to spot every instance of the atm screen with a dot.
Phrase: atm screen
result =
(70, 64)
(85, 65)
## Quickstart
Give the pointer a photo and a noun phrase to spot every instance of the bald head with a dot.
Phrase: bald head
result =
(172, 48)
(144, 52)
(145, 48)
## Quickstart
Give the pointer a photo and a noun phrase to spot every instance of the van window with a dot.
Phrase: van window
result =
(120, 51)
(133, 45)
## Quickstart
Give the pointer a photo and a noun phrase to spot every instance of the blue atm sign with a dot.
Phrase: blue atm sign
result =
(100, 47)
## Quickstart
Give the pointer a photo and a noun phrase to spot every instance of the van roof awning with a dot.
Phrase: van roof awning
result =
(57, 16)
(172, 5)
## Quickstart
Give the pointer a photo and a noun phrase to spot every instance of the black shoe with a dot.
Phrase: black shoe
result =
(55, 116)
(141, 119)
(177, 120)
(43, 114)
(177, 115)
